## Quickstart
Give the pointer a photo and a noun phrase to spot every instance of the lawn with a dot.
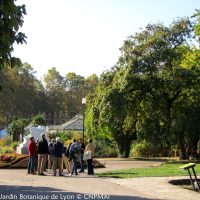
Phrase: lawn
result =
(166, 169)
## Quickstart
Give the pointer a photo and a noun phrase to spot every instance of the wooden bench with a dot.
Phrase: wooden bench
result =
(195, 183)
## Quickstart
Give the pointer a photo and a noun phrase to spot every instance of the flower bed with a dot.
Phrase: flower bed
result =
(13, 161)
(21, 161)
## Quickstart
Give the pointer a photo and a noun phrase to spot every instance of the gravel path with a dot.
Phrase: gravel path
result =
(158, 188)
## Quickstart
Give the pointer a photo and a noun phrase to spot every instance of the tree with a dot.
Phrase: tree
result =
(152, 60)
(11, 19)
(16, 128)
(138, 96)
(22, 96)
(110, 116)
(38, 120)
(197, 24)
(91, 83)
(55, 92)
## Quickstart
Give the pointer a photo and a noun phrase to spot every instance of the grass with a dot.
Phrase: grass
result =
(164, 170)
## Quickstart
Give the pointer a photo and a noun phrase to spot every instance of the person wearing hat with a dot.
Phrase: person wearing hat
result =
(58, 151)
(43, 151)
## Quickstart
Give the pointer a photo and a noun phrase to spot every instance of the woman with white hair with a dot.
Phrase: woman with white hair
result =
(58, 151)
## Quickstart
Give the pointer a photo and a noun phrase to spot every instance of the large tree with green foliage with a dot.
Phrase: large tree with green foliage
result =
(11, 19)
(21, 95)
(153, 60)
(149, 80)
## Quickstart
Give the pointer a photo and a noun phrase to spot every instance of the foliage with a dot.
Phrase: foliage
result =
(7, 146)
(197, 25)
(109, 115)
(38, 120)
(151, 94)
(1, 142)
(66, 136)
(11, 19)
(6, 149)
(7, 140)
(105, 149)
(58, 98)
(14, 145)
(143, 149)
(16, 128)
(64, 94)
(21, 95)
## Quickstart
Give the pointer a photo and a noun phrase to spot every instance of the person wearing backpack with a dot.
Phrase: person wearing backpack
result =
(75, 152)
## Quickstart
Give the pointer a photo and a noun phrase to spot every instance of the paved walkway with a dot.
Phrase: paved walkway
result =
(15, 184)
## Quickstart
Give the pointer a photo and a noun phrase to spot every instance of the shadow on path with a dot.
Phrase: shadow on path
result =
(48, 193)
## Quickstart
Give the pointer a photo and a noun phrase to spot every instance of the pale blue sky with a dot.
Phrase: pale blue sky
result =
(84, 36)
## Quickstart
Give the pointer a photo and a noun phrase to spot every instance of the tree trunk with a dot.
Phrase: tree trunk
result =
(193, 148)
(15, 136)
(124, 147)
(22, 131)
(167, 120)
(181, 146)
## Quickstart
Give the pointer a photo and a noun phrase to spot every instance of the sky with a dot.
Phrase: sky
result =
(84, 36)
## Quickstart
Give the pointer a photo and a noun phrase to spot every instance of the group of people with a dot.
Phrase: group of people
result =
(55, 155)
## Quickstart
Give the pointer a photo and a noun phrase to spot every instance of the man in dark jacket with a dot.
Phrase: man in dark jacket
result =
(58, 151)
(82, 146)
(43, 151)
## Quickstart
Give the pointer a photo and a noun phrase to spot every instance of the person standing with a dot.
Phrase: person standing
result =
(43, 151)
(36, 161)
(75, 152)
(82, 146)
(32, 149)
(90, 155)
(58, 151)
(64, 158)
(69, 160)
(51, 155)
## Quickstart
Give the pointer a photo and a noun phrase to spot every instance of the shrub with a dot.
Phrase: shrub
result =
(1, 143)
(142, 148)
(38, 120)
(66, 136)
(6, 149)
(14, 145)
(105, 150)
(6, 140)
